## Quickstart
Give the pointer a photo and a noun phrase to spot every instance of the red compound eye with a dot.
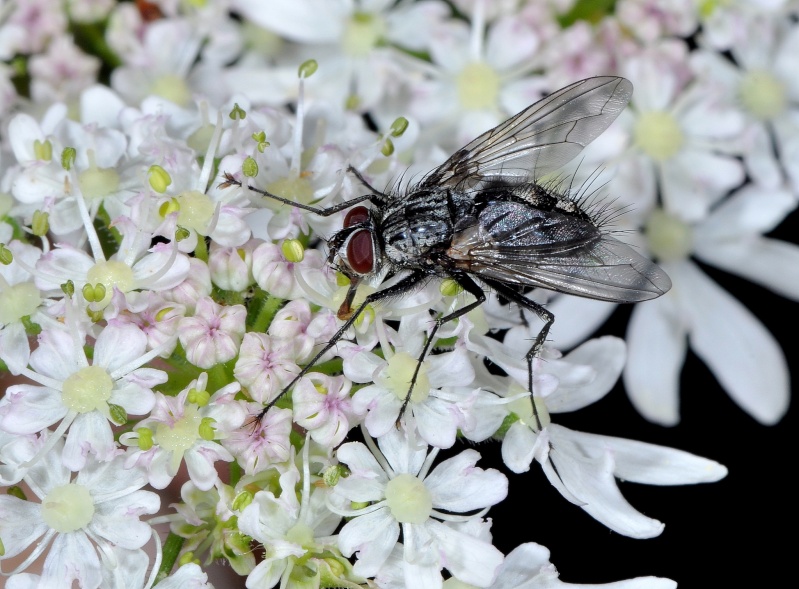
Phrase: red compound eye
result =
(355, 216)
(360, 253)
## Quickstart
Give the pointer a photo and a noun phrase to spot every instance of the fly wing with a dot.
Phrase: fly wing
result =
(516, 244)
(540, 139)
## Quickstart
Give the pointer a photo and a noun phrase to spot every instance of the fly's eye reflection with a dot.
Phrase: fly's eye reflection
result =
(481, 220)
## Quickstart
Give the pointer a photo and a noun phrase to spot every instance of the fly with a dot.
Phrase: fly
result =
(482, 220)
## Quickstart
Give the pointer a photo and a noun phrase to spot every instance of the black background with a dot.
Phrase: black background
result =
(735, 533)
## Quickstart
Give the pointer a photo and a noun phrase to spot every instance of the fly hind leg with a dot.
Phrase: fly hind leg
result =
(546, 316)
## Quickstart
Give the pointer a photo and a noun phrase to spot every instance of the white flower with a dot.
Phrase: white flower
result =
(186, 428)
(738, 349)
(439, 385)
(403, 493)
(527, 567)
(88, 522)
(84, 397)
(293, 531)
(584, 467)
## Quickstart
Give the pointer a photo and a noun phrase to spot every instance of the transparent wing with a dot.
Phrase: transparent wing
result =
(541, 138)
(521, 245)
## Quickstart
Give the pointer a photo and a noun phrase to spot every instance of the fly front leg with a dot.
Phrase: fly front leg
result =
(546, 316)
(470, 286)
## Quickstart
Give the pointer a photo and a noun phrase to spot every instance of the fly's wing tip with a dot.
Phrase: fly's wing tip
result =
(655, 283)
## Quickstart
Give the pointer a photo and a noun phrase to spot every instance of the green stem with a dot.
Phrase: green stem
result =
(172, 548)
(201, 251)
(267, 307)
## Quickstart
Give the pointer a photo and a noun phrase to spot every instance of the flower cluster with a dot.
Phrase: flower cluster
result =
(167, 314)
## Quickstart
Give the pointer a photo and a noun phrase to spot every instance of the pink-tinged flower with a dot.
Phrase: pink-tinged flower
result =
(265, 365)
(212, 336)
(85, 398)
(83, 521)
(262, 442)
(195, 287)
(186, 427)
(231, 267)
(297, 323)
(276, 274)
(156, 317)
(651, 20)
(29, 26)
(402, 492)
(60, 74)
(322, 405)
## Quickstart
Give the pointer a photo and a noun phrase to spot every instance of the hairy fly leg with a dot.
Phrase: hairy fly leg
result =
(408, 283)
(470, 286)
(546, 316)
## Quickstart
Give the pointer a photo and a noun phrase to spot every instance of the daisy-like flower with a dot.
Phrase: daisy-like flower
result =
(433, 401)
(186, 428)
(738, 349)
(764, 79)
(403, 493)
(584, 467)
(88, 521)
(84, 397)
(295, 530)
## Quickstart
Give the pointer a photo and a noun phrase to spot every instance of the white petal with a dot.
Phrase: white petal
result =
(656, 347)
(695, 179)
(518, 448)
(576, 318)
(650, 464)
(751, 210)
(437, 422)
(758, 259)
(71, 557)
(373, 536)
(737, 348)
(118, 344)
(404, 452)
(21, 523)
(457, 485)
(602, 359)
(469, 559)
(593, 482)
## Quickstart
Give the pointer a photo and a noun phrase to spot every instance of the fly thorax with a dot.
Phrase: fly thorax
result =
(422, 224)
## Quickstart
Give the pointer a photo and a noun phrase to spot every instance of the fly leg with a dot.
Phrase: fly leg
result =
(546, 316)
(406, 284)
(470, 286)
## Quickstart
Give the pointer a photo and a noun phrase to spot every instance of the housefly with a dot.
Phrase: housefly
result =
(482, 220)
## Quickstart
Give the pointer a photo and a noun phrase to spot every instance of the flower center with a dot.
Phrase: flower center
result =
(658, 135)
(762, 94)
(408, 499)
(111, 274)
(18, 301)
(171, 87)
(669, 238)
(196, 211)
(87, 390)
(399, 373)
(68, 508)
(301, 535)
(182, 434)
(298, 189)
(98, 182)
(478, 86)
(523, 408)
(362, 33)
